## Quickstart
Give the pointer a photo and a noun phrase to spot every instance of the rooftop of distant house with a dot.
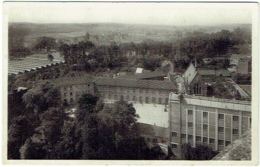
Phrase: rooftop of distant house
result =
(146, 75)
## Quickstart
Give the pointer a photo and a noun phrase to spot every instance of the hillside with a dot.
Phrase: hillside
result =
(105, 33)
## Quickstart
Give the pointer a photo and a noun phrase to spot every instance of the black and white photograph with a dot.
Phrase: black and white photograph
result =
(168, 81)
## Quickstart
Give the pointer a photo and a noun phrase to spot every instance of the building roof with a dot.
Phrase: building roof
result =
(66, 81)
(239, 56)
(29, 63)
(147, 84)
(239, 149)
(146, 129)
(223, 72)
(153, 74)
(139, 70)
(246, 88)
(206, 72)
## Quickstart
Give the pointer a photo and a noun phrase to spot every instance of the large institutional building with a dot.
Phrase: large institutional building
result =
(202, 120)
(180, 103)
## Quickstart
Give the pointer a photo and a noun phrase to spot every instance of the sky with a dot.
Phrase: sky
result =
(130, 13)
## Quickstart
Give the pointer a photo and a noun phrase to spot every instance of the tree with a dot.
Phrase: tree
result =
(32, 150)
(20, 129)
(200, 152)
(47, 43)
(41, 97)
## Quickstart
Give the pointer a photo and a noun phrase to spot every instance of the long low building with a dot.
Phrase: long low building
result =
(202, 120)
(111, 89)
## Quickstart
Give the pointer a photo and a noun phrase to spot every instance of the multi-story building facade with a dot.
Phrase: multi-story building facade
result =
(111, 89)
(71, 88)
(132, 90)
(203, 120)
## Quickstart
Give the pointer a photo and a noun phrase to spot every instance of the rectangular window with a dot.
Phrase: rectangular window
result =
(147, 100)
(166, 100)
(115, 96)
(146, 91)
(205, 139)
(190, 112)
(228, 143)
(174, 134)
(160, 101)
(190, 137)
(221, 142)
(134, 90)
(205, 114)
(198, 138)
(235, 118)
(190, 124)
(65, 94)
(153, 100)
(65, 88)
(155, 140)
(71, 100)
(220, 116)
(121, 97)
(71, 93)
(141, 99)
(141, 90)
(174, 145)
(121, 89)
(250, 120)
(134, 98)
(70, 87)
(205, 127)
(127, 98)
(235, 131)
(211, 140)
(183, 136)
(221, 129)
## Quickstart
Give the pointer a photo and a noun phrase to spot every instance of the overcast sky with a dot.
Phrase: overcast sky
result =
(133, 13)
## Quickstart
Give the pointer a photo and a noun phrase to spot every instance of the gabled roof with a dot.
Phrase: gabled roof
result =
(153, 74)
(67, 81)
(146, 84)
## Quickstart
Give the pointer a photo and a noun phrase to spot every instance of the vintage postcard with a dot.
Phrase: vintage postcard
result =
(130, 83)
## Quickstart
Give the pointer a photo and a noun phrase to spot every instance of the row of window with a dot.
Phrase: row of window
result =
(71, 87)
(140, 99)
(220, 116)
(220, 129)
(134, 90)
(204, 140)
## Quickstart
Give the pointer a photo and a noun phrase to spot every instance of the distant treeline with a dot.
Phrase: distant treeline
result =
(85, 55)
